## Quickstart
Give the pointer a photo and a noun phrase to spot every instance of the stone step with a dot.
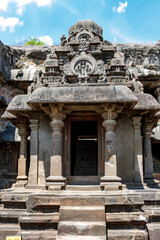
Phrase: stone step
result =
(73, 237)
(82, 201)
(38, 234)
(82, 228)
(11, 215)
(8, 230)
(129, 217)
(83, 188)
(82, 213)
(153, 213)
(39, 221)
(15, 200)
(43, 203)
(123, 234)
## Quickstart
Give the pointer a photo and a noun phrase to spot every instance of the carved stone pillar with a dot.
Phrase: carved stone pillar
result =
(33, 168)
(56, 181)
(110, 180)
(148, 160)
(138, 153)
(23, 132)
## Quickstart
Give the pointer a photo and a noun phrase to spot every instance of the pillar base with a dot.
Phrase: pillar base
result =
(149, 180)
(55, 183)
(136, 185)
(111, 183)
(21, 182)
(35, 187)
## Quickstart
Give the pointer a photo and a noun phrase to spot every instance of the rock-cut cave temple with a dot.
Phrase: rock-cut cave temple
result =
(80, 139)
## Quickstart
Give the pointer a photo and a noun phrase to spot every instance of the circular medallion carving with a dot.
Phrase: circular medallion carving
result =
(83, 65)
(83, 68)
(84, 37)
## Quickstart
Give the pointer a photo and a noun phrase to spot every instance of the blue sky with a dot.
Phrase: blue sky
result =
(126, 21)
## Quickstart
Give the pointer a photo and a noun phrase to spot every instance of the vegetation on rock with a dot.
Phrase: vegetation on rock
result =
(34, 41)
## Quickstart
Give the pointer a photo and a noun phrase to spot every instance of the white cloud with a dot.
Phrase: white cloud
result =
(69, 8)
(127, 39)
(103, 2)
(20, 4)
(121, 8)
(46, 39)
(4, 4)
(9, 22)
(114, 39)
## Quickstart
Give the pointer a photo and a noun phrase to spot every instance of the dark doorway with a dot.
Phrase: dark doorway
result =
(84, 148)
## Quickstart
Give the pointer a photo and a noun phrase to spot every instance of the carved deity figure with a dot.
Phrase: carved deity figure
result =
(138, 86)
(63, 40)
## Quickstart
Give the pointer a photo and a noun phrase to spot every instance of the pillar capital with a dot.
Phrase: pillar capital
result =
(34, 124)
(136, 121)
(23, 130)
(57, 113)
(109, 125)
(109, 115)
(57, 125)
(147, 127)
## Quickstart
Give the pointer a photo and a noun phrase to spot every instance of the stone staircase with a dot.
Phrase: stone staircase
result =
(12, 207)
(80, 215)
(82, 218)
(41, 219)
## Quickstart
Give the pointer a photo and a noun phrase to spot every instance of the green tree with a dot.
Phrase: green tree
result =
(34, 41)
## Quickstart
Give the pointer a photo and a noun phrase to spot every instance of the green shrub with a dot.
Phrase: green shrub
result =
(34, 41)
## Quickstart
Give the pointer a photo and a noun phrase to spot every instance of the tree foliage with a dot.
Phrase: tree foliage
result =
(34, 41)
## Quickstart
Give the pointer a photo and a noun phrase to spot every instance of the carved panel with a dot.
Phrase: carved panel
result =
(83, 68)
(83, 65)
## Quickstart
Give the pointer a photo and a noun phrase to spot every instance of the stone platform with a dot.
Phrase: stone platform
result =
(78, 213)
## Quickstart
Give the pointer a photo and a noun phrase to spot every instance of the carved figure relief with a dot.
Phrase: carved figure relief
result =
(84, 37)
(83, 68)
(83, 65)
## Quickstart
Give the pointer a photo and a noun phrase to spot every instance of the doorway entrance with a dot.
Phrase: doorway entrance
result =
(84, 138)
(84, 148)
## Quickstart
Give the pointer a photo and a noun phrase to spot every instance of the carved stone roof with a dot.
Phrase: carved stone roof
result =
(8, 116)
(81, 94)
(146, 102)
(85, 25)
(19, 103)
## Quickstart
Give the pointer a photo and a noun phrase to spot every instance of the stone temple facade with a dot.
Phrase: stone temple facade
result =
(80, 139)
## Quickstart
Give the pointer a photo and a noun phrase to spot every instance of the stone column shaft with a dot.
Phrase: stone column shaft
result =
(138, 153)
(110, 148)
(22, 177)
(110, 180)
(148, 159)
(33, 169)
(56, 155)
(56, 181)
